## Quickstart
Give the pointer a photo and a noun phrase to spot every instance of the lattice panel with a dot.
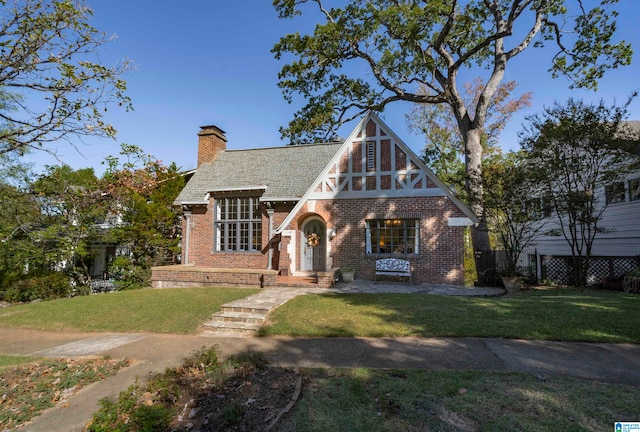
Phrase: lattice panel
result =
(598, 268)
(558, 270)
(622, 266)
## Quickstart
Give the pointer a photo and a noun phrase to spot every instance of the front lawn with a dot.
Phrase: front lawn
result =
(563, 314)
(178, 310)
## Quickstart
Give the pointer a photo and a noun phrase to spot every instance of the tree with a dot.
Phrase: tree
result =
(142, 190)
(52, 84)
(575, 151)
(514, 205)
(70, 202)
(371, 53)
(444, 146)
(18, 211)
(47, 225)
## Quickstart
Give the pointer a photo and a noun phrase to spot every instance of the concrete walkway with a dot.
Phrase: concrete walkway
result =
(152, 353)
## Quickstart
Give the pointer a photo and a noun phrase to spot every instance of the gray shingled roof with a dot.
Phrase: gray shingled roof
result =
(287, 172)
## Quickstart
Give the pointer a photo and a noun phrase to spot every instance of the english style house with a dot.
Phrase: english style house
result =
(260, 216)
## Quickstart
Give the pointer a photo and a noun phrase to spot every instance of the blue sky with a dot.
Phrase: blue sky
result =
(209, 62)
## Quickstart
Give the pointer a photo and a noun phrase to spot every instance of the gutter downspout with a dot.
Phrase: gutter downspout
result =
(187, 237)
(270, 212)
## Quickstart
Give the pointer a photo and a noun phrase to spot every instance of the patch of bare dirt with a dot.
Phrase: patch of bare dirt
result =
(256, 399)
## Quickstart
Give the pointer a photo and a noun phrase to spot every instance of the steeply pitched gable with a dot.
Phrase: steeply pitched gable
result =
(373, 162)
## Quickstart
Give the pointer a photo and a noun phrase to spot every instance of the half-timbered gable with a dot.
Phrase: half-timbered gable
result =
(373, 163)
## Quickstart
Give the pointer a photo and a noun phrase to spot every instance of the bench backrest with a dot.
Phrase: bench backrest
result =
(393, 264)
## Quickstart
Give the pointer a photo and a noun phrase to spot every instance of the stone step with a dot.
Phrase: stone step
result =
(230, 327)
(254, 317)
(243, 317)
(245, 309)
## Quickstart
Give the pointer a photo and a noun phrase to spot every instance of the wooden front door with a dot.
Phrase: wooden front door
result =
(314, 246)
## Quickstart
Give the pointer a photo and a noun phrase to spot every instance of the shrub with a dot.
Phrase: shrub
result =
(129, 275)
(45, 287)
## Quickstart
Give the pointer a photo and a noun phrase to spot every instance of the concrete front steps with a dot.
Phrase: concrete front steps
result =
(243, 318)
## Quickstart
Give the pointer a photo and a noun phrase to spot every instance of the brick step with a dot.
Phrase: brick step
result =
(253, 317)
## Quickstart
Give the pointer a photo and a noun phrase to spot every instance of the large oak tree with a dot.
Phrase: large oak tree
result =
(367, 54)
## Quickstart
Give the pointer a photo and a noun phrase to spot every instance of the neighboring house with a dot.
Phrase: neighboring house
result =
(104, 252)
(615, 252)
(253, 216)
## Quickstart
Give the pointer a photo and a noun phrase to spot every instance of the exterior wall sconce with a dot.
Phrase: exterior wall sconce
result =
(331, 233)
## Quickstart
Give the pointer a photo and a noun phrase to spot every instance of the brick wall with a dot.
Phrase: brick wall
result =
(441, 247)
(187, 276)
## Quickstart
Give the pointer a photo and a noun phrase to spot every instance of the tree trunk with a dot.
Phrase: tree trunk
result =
(475, 189)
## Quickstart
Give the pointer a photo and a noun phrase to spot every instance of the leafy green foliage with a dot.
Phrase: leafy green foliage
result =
(514, 205)
(52, 84)
(49, 225)
(369, 53)
(46, 287)
(142, 191)
(576, 150)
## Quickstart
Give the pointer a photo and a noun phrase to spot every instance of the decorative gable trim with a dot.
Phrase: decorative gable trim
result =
(373, 162)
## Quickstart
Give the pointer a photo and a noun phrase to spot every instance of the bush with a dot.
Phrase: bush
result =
(129, 275)
(45, 287)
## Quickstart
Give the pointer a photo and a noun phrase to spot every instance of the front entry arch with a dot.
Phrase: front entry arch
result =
(314, 245)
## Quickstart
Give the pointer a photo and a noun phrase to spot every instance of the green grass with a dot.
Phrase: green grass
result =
(13, 360)
(550, 314)
(410, 400)
(179, 310)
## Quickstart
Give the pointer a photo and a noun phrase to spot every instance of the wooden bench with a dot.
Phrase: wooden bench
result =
(393, 267)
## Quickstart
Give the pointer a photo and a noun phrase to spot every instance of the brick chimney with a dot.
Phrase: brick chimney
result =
(211, 141)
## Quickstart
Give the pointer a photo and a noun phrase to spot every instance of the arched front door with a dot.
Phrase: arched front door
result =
(314, 245)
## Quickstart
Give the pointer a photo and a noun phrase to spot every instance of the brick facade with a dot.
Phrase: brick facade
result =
(440, 258)
(375, 176)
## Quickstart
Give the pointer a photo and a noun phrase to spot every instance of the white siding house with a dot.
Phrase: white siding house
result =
(616, 251)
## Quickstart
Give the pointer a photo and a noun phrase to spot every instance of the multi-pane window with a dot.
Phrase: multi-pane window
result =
(238, 225)
(614, 193)
(634, 189)
(392, 236)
